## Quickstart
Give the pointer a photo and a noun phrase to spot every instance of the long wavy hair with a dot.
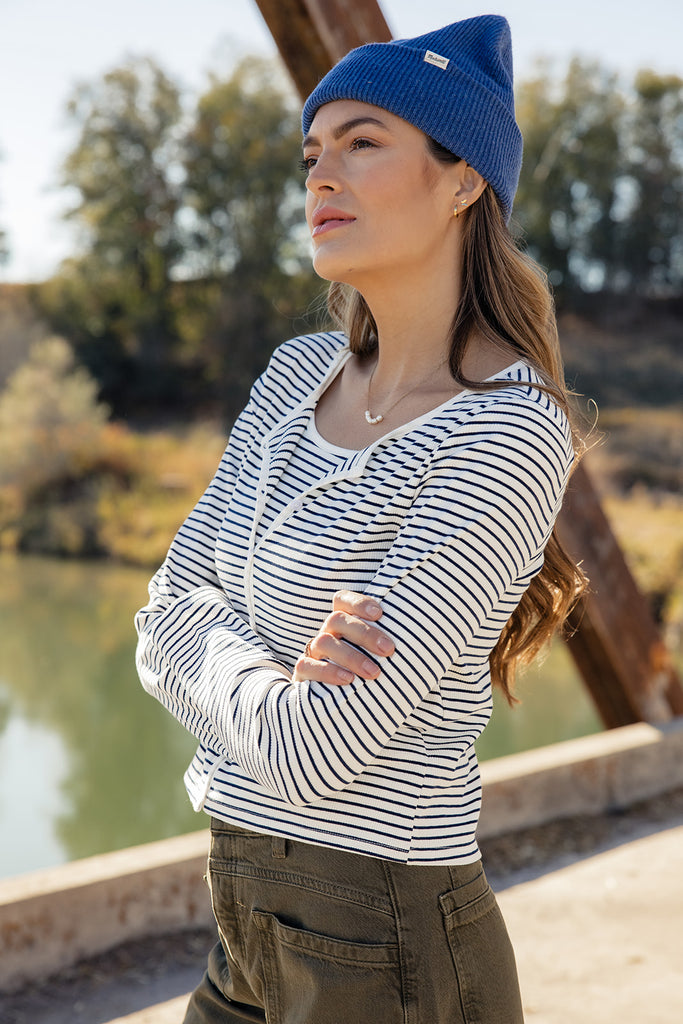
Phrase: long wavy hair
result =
(505, 298)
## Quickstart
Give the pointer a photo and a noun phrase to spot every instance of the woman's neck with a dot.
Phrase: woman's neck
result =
(413, 329)
(414, 341)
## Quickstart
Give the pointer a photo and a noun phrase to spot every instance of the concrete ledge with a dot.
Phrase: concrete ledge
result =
(611, 770)
(52, 919)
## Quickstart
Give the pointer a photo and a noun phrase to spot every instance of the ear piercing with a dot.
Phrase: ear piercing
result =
(456, 211)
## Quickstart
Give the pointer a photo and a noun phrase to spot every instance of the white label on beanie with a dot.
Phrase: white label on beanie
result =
(436, 59)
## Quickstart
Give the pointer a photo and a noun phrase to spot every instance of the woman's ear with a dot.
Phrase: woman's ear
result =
(470, 187)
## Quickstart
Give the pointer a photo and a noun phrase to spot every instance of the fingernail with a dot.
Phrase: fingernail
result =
(371, 608)
(369, 667)
(344, 676)
(385, 644)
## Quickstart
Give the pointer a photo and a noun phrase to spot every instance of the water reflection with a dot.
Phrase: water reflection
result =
(90, 763)
(554, 706)
(30, 795)
(66, 668)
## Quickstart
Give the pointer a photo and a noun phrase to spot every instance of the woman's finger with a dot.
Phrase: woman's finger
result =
(359, 632)
(321, 672)
(352, 658)
(356, 604)
(341, 650)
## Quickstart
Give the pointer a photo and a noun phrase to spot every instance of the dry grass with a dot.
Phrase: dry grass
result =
(639, 447)
(650, 531)
(138, 522)
(122, 496)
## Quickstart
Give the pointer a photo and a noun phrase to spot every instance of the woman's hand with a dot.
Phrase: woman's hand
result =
(330, 656)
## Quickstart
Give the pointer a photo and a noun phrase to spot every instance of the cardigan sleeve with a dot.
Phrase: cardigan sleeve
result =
(190, 568)
(477, 527)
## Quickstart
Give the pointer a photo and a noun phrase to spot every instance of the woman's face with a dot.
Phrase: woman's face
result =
(378, 204)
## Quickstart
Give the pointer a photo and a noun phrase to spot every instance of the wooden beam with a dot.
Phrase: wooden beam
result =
(615, 644)
(312, 35)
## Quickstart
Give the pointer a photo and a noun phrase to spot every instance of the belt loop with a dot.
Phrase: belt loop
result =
(278, 847)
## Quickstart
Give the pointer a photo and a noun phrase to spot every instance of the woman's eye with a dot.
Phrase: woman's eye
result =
(309, 162)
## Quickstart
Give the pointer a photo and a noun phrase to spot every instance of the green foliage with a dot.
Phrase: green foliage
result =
(121, 167)
(601, 192)
(4, 247)
(245, 201)
(72, 483)
(571, 162)
(654, 241)
(243, 190)
(20, 328)
(190, 263)
(50, 426)
(193, 265)
(49, 398)
(115, 299)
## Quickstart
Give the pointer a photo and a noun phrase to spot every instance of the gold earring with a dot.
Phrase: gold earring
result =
(456, 211)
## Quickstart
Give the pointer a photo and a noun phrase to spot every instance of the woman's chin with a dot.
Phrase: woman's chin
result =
(331, 269)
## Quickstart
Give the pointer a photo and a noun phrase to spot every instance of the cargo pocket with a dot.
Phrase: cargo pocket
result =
(317, 979)
(482, 955)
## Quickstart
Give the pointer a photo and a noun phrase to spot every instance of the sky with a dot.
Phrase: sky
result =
(48, 46)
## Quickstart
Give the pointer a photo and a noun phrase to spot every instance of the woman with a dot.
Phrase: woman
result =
(410, 468)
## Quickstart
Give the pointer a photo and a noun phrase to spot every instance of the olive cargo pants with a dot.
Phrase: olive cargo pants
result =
(311, 935)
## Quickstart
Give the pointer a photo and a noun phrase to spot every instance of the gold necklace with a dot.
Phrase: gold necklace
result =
(374, 420)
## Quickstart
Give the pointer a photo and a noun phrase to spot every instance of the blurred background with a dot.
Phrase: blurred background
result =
(151, 257)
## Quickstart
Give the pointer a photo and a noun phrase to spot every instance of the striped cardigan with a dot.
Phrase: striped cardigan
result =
(443, 521)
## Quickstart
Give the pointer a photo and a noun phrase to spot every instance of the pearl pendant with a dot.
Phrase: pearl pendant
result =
(372, 420)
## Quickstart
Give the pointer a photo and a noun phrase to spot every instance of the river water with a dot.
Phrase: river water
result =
(89, 763)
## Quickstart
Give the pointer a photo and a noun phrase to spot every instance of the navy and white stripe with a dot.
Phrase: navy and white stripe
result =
(443, 520)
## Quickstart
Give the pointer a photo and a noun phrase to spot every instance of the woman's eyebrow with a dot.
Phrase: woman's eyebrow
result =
(347, 126)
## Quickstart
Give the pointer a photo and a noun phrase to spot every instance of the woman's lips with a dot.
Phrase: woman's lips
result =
(327, 218)
(330, 225)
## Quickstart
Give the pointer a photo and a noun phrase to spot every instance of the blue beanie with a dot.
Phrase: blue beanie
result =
(455, 84)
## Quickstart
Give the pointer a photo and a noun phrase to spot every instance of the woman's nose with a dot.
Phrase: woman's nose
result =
(323, 176)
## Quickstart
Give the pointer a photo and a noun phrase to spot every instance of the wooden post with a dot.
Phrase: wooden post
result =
(312, 35)
(615, 643)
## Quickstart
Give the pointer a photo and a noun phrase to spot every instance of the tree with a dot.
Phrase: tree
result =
(652, 237)
(20, 328)
(125, 170)
(601, 191)
(572, 163)
(191, 265)
(246, 199)
(4, 249)
(51, 425)
(49, 412)
(241, 155)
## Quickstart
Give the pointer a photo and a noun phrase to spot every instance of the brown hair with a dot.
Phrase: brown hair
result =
(506, 299)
